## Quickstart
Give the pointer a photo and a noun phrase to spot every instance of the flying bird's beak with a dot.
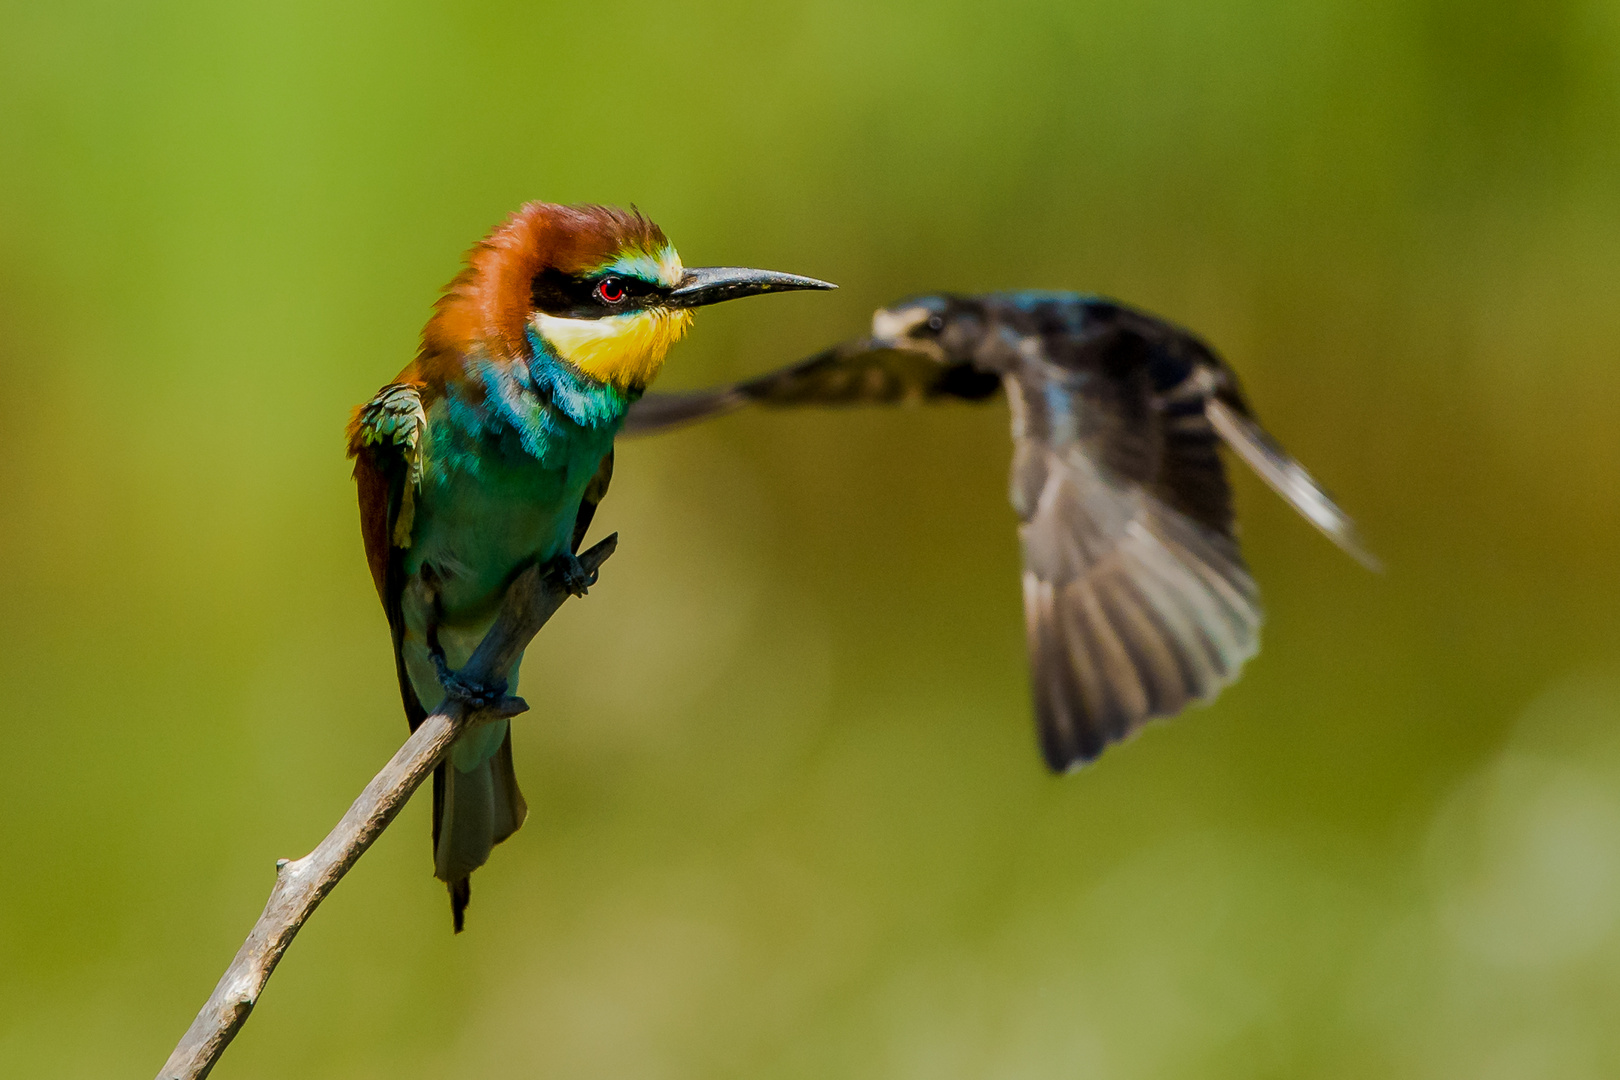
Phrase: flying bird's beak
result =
(712, 284)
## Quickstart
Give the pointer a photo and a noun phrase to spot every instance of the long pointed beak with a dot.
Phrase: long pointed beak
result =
(712, 284)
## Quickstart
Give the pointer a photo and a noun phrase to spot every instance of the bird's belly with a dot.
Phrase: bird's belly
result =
(474, 530)
(469, 544)
(473, 533)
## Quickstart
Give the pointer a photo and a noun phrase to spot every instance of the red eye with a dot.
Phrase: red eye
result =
(610, 290)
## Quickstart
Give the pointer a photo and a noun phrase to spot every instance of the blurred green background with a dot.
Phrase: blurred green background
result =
(787, 816)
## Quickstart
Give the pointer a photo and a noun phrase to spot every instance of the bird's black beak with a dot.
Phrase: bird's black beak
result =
(712, 284)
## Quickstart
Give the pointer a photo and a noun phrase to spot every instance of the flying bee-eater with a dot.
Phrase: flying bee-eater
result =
(490, 452)
(1137, 601)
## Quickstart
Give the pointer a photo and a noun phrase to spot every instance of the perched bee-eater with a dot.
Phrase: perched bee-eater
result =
(1137, 601)
(490, 452)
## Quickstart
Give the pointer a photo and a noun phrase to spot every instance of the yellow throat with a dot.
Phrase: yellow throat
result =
(625, 350)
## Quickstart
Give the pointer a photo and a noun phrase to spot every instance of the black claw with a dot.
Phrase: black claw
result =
(571, 574)
(472, 695)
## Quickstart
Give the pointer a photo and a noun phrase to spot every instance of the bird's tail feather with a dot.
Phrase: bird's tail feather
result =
(473, 811)
(1288, 478)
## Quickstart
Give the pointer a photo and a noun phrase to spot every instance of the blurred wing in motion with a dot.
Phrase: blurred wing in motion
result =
(860, 372)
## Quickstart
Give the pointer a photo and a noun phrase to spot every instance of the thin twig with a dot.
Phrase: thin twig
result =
(301, 884)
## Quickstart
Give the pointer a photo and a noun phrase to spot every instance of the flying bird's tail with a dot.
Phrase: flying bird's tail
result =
(1287, 478)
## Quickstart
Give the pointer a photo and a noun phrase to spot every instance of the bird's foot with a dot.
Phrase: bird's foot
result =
(476, 696)
(571, 574)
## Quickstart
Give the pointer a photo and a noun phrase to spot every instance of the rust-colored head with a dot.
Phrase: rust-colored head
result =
(603, 288)
(489, 302)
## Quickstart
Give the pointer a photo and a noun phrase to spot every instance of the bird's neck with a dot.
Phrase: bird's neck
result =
(586, 400)
(542, 400)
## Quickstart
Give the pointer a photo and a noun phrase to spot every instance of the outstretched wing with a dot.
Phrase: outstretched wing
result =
(387, 440)
(860, 372)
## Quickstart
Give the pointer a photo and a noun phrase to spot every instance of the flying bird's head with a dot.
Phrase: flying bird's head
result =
(948, 328)
(992, 331)
(600, 288)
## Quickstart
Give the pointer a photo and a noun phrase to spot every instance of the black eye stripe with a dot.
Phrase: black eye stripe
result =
(566, 296)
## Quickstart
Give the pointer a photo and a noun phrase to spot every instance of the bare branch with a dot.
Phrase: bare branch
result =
(301, 884)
